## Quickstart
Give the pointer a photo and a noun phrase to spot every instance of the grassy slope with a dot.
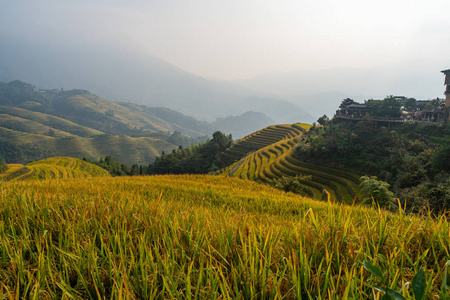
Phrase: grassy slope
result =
(29, 126)
(278, 159)
(49, 121)
(262, 138)
(55, 167)
(133, 116)
(21, 126)
(123, 148)
(204, 237)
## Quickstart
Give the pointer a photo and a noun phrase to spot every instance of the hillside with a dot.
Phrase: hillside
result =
(50, 168)
(412, 158)
(36, 124)
(142, 79)
(270, 154)
(258, 140)
(86, 109)
(206, 237)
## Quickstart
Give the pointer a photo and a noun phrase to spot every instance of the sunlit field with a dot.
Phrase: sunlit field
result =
(205, 237)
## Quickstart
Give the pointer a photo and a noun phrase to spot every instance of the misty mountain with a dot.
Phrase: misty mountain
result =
(240, 126)
(320, 92)
(123, 75)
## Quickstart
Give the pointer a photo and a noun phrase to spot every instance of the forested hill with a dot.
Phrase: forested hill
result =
(89, 110)
(413, 158)
(37, 123)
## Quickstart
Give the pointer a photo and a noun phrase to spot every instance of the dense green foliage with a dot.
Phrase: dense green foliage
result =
(3, 167)
(294, 184)
(388, 107)
(412, 158)
(377, 191)
(196, 159)
(11, 152)
(113, 167)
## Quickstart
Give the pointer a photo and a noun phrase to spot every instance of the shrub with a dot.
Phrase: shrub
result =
(377, 190)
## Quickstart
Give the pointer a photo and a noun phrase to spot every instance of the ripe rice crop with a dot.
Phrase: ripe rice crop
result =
(277, 160)
(54, 167)
(204, 237)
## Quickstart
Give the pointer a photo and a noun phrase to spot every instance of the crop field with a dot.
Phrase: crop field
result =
(206, 237)
(277, 160)
(263, 138)
(55, 167)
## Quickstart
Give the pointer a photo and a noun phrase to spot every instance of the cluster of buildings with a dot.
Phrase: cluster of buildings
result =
(436, 110)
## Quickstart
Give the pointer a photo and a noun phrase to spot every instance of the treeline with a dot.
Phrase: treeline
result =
(116, 168)
(196, 159)
(414, 158)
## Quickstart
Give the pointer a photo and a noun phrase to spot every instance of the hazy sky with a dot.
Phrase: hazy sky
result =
(243, 38)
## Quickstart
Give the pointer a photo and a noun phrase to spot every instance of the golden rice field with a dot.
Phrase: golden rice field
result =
(278, 159)
(54, 167)
(263, 138)
(205, 237)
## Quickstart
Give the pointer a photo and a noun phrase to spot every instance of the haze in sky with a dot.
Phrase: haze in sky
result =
(243, 38)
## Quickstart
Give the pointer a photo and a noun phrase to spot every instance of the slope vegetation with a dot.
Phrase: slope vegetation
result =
(205, 237)
(277, 159)
(28, 121)
(260, 139)
(55, 167)
(36, 124)
(129, 150)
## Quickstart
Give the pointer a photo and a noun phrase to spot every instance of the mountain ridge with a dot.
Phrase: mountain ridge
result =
(127, 76)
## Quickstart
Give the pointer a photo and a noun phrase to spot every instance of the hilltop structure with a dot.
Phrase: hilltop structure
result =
(447, 89)
(421, 110)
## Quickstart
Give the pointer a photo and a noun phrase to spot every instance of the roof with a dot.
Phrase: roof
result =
(355, 106)
(446, 71)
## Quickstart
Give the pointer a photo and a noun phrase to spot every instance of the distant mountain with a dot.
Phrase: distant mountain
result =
(321, 91)
(124, 76)
(238, 125)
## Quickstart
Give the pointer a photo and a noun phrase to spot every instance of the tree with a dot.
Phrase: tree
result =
(218, 144)
(323, 120)
(377, 190)
(291, 184)
(410, 104)
(388, 107)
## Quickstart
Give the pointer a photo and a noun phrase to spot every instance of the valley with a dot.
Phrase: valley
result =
(250, 150)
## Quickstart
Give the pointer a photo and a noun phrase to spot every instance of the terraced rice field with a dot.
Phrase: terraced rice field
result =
(263, 138)
(55, 167)
(277, 160)
(207, 237)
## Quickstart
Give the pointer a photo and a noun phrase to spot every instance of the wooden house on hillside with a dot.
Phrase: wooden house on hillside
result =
(351, 108)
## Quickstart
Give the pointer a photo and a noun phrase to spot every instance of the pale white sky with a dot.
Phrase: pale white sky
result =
(243, 38)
